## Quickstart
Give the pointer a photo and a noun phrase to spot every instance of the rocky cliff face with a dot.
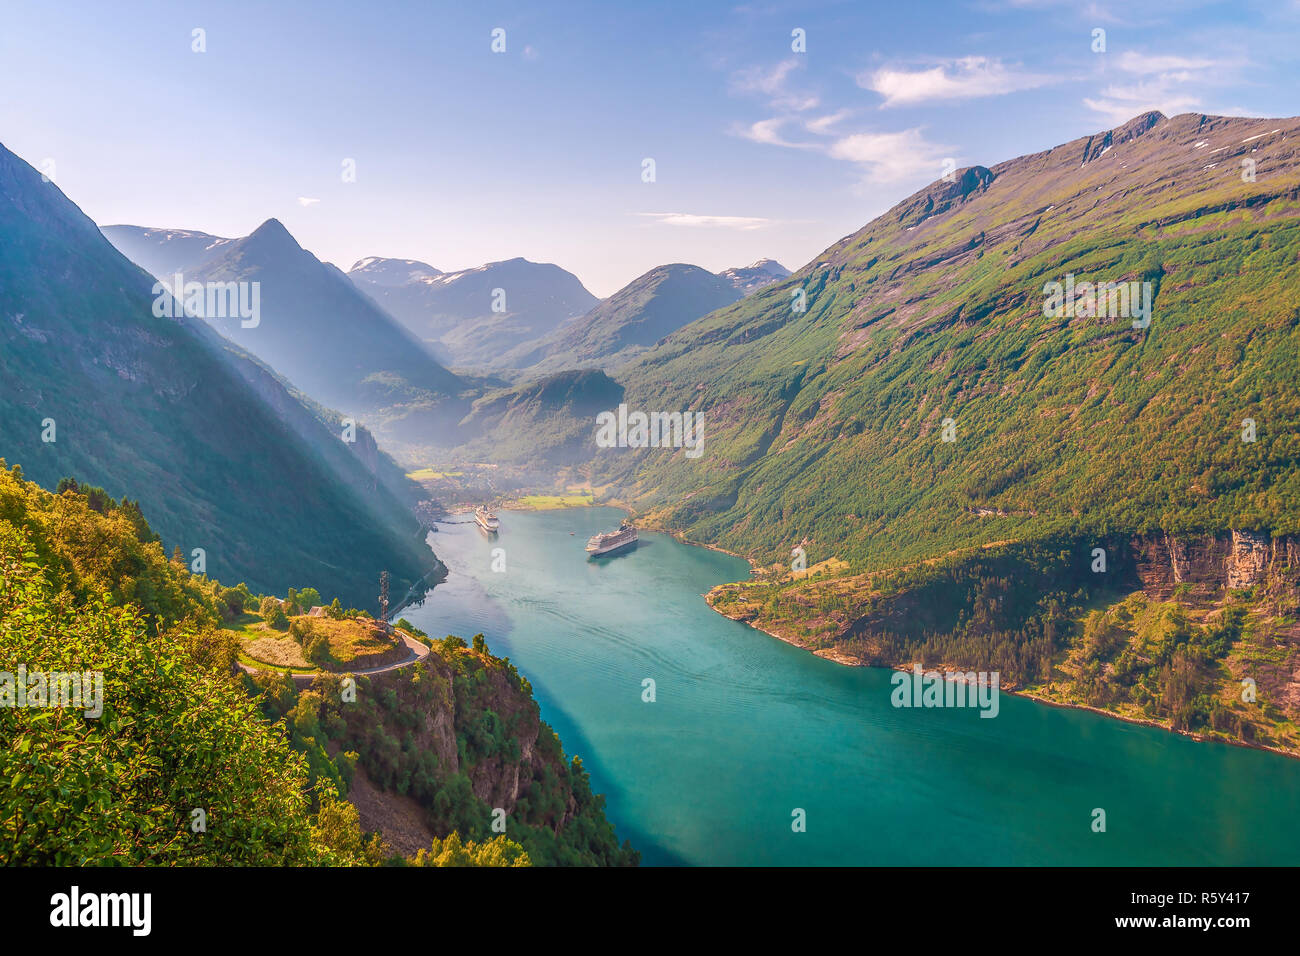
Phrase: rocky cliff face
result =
(461, 735)
(497, 780)
(1211, 564)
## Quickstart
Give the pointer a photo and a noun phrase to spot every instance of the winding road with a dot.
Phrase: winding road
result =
(418, 653)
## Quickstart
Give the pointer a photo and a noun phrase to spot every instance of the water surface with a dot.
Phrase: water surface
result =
(746, 729)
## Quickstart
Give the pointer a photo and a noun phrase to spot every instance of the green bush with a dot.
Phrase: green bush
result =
(173, 737)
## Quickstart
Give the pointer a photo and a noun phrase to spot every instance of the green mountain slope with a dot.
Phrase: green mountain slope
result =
(156, 407)
(542, 423)
(824, 428)
(1103, 512)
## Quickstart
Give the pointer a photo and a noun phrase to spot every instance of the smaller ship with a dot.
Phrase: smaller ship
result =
(609, 542)
(486, 520)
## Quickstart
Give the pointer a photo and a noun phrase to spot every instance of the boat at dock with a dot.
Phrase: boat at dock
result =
(486, 520)
(609, 542)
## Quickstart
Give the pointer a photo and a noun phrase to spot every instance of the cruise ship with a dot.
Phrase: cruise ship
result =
(486, 520)
(608, 542)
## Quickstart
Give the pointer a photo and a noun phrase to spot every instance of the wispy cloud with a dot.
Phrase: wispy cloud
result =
(758, 79)
(882, 157)
(768, 132)
(1144, 63)
(1097, 13)
(891, 157)
(772, 84)
(744, 223)
(307, 201)
(1163, 82)
(822, 124)
(959, 79)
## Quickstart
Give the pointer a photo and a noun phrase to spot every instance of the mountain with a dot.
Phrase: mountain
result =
(391, 273)
(631, 320)
(164, 252)
(223, 457)
(454, 311)
(314, 327)
(945, 448)
(826, 426)
(543, 423)
(753, 277)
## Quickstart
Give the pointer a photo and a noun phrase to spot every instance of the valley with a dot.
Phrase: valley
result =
(949, 452)
(1036, 421)
(880, 785)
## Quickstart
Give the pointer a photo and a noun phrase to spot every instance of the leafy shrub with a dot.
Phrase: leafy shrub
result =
(173, 736)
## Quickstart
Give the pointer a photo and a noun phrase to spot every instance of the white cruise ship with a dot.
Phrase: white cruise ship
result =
(608, 542)
(486, 520)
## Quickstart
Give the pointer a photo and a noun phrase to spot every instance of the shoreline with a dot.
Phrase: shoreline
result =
(837, 657)
(844, 660)
(1148, 722)
(680, 538)
(826, 653)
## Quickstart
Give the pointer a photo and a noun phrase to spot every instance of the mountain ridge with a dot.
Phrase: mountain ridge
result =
(319, 331)
(154, 406)
(914, 282)
(936, 460)
(650, 307)
(471, 317)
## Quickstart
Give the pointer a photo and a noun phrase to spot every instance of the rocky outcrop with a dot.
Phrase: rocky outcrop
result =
(400, 819)
(444, 715)
(1248, 559)
(939, 197)
(1211, 564)
(1096, 146)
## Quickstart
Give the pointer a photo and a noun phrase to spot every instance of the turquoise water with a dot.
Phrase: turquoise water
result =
(746, 729)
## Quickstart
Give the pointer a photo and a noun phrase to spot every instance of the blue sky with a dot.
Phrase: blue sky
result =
(464, 156)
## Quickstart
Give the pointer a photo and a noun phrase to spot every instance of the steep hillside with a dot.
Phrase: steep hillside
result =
(630, 321)
(1197, 633)
(826, 427)
(463, 315)
(172, 726)
(153, 406)
(544, 422)
(315, 328)
(1100, 501)
(459, 735)
(360, 463)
